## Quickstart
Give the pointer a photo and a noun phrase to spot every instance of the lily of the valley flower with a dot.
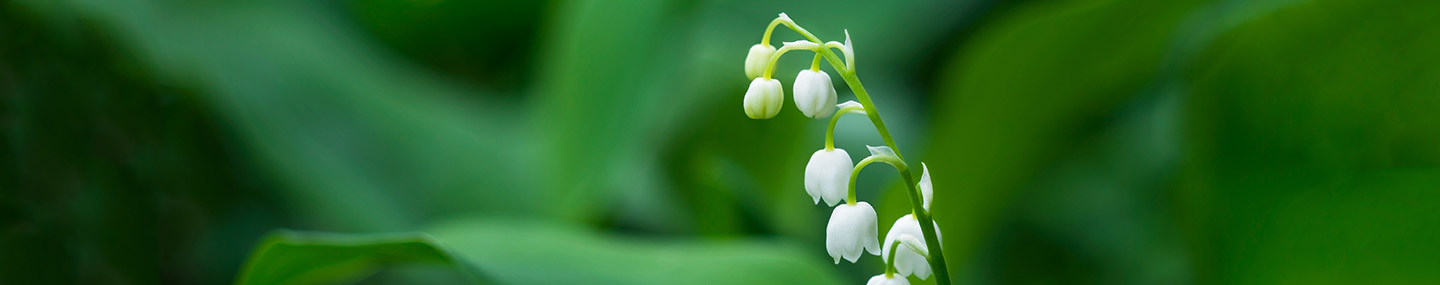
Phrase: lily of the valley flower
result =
(764, 98)
(851, 232)
(758, 59)
(827, 176)
(908, 261)
(926, 190)
(814, 93)
(892, 280)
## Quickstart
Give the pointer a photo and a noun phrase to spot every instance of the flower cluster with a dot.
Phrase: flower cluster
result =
(831, 173)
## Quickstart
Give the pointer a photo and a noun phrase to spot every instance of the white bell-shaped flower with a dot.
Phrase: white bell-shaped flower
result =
(926, 191)
(764, 98)
(892, 280)
(814, 94)
(758, 59)
(827, 176)
(907, 261)
(851, 232)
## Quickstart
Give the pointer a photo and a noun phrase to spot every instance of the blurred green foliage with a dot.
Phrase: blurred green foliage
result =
(543, 142)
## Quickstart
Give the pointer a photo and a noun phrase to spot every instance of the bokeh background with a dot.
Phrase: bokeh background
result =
(1071, 141)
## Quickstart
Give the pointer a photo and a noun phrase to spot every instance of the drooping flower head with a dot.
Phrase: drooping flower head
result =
(814, 94)
(827, 175)
(851, 232)
(907, 261)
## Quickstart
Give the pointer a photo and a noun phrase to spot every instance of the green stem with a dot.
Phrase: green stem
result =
(815, 65)
(890, 260)
(855, 173)
(927, 227)
(830, 130)
(770, 69)
(850, 79)
(927, 224)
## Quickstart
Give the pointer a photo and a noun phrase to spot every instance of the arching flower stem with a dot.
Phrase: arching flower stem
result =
(815, 65)
(890, 259)
(830, 131)
(927, 224)
(847, 72)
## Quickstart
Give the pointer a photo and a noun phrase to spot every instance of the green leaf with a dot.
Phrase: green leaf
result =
(530, 252)
(1314, 137)
(339, 123)
(1070, 65)
(534, 252)
(289, 257)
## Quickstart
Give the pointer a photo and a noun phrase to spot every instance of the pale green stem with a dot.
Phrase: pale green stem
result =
(830, 131)
(815, 65)
(890, 260)
(851, 79)
(770, 69)
(855, 173)
(927, 226)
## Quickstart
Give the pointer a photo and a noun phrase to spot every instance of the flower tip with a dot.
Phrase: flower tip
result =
(881, 151)
(927, 189)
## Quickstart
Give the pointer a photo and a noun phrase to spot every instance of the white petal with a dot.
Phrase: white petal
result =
(851, 230)
(926, 189)
(882, 280)
(907, 262)
(814, 94)
(827, 175)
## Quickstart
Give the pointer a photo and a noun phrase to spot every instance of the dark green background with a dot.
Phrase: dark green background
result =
(1071, 142)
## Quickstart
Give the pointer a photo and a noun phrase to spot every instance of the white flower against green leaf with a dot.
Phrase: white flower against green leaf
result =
(814, 93)
(830, 174)
(907, 261)
(851, 232)
(827, 176)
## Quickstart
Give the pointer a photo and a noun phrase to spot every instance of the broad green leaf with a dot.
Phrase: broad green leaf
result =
(511, 251)
(290, 257)
(362, 141)
(1024, 91)
(1314, 141)
(532, 252)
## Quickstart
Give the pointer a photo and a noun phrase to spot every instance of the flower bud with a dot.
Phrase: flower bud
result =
(758, 59)
(764, 98)
(814, 94)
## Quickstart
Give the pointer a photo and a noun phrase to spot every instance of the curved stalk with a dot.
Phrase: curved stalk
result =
(927, 223)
